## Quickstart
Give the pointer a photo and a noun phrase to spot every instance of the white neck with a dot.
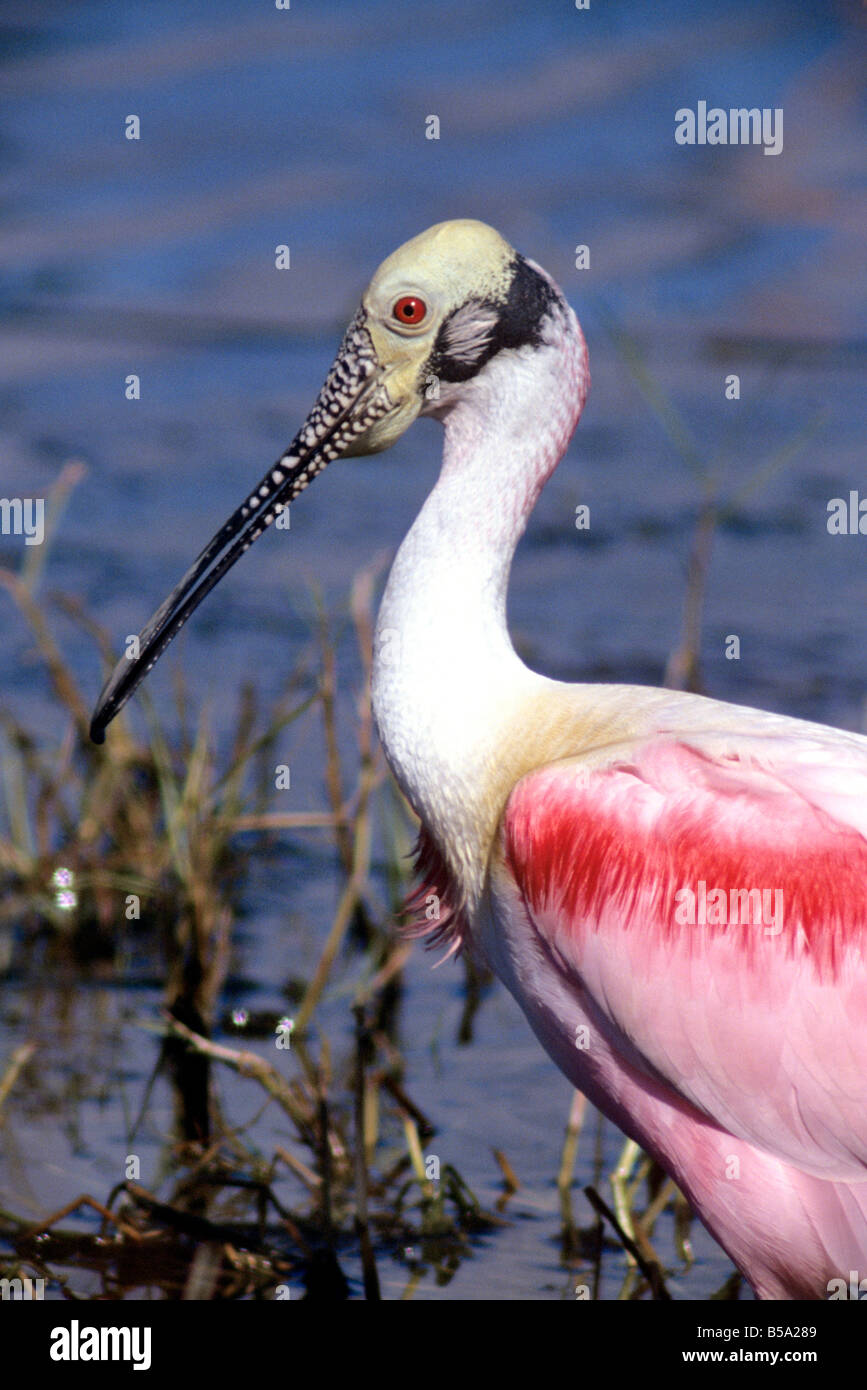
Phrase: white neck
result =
(447, 682)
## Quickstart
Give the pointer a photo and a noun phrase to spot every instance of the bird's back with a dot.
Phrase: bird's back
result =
(682, 913)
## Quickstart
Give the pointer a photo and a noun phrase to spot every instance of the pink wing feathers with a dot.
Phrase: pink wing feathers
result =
(761, 1024)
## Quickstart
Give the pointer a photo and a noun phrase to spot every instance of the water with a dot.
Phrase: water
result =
(156, 257)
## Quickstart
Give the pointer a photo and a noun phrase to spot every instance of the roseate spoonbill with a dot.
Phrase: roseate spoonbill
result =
(674, 889)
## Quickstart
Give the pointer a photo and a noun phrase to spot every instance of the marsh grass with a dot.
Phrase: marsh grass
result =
(154, 834)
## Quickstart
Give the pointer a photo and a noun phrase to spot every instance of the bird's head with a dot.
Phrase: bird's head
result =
(436, 312)
(434, 315)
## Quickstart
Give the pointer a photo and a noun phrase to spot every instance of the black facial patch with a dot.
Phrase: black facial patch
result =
(474, 332)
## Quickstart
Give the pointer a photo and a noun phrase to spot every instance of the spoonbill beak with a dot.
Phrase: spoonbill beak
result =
(353, 402)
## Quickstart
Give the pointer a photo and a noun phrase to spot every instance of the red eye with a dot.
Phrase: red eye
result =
(410, 309)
